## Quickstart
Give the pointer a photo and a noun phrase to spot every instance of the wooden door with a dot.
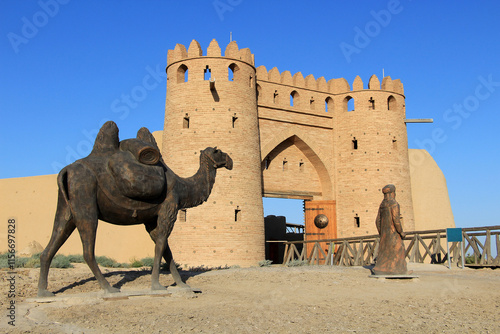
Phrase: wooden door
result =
(313, 232)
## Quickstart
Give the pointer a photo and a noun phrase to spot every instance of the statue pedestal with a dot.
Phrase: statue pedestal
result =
(89, 297)
(407, 276)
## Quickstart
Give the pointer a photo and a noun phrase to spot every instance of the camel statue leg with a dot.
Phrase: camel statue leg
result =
(159, 232)
(87, 229)
(60, 233)
(167, 255)
(160, 239)
(85, 211)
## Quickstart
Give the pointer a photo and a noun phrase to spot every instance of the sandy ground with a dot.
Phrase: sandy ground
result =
(276, 299)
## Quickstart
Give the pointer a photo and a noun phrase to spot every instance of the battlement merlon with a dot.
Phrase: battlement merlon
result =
(232, 51)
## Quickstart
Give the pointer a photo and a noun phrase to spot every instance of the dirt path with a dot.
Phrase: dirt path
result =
(311, 299)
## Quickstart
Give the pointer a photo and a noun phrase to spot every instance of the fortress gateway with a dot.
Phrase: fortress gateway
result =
(289, 137)
(330, 144)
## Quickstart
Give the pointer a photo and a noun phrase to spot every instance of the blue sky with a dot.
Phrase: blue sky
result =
(66, 65)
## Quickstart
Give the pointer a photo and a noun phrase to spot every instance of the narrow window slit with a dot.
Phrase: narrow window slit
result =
(237, 214)
(372, 103)
(182, 215)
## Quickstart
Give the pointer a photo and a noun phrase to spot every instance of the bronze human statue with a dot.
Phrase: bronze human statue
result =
(391, 254)
(126, 183)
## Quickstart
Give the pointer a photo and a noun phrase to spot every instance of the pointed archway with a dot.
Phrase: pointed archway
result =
(292, 168)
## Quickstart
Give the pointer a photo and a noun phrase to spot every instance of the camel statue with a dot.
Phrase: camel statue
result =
(126, 183)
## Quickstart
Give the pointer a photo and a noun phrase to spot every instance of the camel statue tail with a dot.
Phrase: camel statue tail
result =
(62, 183)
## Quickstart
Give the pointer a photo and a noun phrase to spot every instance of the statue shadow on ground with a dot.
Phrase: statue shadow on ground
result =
(130, 276)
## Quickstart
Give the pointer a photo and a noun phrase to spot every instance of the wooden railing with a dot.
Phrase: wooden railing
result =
(421, 246)
(294, 228)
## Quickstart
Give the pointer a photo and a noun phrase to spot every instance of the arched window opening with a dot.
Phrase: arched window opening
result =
(294, 97)
(207, 73)
(357, 222)
(185, 122)
(275, 97)
(182, 74)
(311, 103)
(233, 74)
(349, 103)
(258, 92)
(391, 103)
(328, 104)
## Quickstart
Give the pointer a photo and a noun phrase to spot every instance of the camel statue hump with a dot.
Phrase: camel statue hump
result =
(143, 152)
(136, 171)
(145, 135)
(107, 141)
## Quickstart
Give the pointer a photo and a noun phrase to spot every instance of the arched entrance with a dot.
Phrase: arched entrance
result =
(292, 169)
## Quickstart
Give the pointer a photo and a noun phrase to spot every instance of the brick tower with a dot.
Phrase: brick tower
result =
(211, 101)
(371, 151)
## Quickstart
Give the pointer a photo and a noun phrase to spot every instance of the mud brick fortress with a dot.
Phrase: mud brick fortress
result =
(329, 143)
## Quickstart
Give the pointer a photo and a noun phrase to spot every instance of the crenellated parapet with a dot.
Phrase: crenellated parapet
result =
(333, 86)
(281, 90)
(309, 95)
(232, 51)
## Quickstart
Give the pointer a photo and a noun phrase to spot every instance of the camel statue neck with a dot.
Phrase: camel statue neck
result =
(207, 163)
(199, 186)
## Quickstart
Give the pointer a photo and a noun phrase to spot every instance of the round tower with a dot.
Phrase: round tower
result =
(211, 101)
(371, 151)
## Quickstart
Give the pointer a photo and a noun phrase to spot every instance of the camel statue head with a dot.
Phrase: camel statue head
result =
(217, 157)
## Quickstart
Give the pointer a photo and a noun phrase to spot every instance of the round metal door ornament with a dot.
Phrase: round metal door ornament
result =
(321, 221)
